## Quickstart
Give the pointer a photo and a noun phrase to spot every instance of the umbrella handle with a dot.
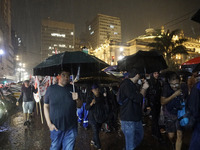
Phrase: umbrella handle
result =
(73, 83)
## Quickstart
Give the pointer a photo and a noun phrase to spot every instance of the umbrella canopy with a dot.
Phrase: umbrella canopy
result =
(113, 70)
(184, 73)
(99, 78)
(143, 61)
(196, 16)
(69, 61)
(192, 63)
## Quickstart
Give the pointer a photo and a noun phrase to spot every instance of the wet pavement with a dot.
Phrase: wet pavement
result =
(14, 136)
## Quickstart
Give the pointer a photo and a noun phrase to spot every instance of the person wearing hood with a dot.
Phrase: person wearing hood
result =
(153, 95)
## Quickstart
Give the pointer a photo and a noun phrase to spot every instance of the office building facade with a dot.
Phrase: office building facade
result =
(56, 37)
(101, 28)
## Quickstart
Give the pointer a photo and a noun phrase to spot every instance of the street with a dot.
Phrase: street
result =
(36, 137)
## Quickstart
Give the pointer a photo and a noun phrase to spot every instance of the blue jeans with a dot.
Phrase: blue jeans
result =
(82, 114)
(64, 140)
(133, 132)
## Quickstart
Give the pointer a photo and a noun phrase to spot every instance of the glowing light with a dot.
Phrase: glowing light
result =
(120, 57)
(58, 35)
(121, 49)
(1, 52)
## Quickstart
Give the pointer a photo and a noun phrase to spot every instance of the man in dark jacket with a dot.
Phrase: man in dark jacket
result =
(131, 109)
(28, 100)
(96, 116)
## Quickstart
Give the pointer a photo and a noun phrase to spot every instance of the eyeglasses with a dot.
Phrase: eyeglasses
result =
(174, 85)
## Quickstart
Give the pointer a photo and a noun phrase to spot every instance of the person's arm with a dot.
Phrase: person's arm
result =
(165, 100)
(90, 102)
(47, 117)
(21, 96)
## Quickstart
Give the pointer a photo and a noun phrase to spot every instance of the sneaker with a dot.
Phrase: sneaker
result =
(28, 123)
(25, 123)
(92, 142)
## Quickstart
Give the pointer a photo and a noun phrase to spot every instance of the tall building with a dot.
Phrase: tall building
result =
(56, 37)
(102, 28)
(7, 54)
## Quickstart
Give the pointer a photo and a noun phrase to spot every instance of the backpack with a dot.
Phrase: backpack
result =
(101, 112)
(184, 116)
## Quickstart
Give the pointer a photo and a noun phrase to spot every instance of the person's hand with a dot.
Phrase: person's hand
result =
(93, 102)
(177, 93)
(17, 103)
(105, 94)
(74, 95)
(52, 127)
(145, 85)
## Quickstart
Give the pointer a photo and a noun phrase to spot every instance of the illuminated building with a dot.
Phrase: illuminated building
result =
(141, 42)
(7, 55)
(111, 52)
(56, 37)
(103, 27)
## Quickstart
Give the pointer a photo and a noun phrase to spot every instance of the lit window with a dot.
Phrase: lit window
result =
(62, 45)
(89, 27)
(49, 47)
(58, 35)
(112, 26)
(72, 33)
(92, 32)
(55, 45)
(70, 46)
(115, 33)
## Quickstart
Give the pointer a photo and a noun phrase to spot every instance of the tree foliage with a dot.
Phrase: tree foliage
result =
(167, 45)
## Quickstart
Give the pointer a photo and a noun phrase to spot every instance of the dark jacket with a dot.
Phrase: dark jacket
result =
(154, 91)
(131, 110)
(100, 99)
(27, 93)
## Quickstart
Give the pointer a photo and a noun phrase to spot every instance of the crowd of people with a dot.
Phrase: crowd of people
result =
(66, 108)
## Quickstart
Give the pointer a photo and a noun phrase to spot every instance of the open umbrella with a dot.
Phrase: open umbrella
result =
(99, 78)
(143, 61)
(113, 70)
(191, 64)
(69, 61)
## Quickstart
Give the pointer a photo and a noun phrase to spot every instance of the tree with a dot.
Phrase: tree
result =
(169, 46)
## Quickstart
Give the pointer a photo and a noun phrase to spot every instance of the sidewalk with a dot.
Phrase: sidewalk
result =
(37, 137)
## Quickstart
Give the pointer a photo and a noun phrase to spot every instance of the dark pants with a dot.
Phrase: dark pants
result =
(155, 112)
(194, 143)
(96, 127)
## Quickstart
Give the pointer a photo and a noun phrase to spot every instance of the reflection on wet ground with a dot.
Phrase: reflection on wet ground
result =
(14, 136)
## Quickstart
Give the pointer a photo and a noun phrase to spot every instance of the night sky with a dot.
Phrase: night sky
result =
(135, 15)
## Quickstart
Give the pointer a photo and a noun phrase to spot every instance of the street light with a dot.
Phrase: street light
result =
(1, 53)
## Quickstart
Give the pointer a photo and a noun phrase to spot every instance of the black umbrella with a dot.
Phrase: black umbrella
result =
(143, 61)
(184, 73)
(69, 61)
(99, 78)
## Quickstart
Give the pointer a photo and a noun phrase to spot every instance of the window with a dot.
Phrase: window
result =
(89, 27)
(112, 26)
(92, 32)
